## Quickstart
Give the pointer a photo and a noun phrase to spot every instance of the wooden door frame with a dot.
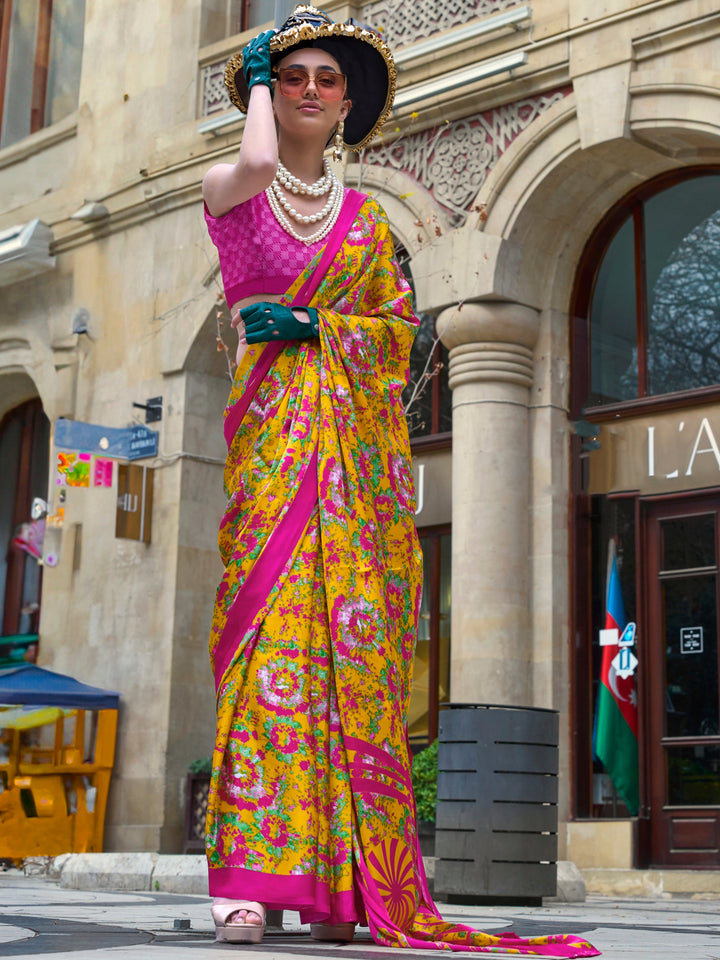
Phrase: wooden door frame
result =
(654, 509)
(30, 416)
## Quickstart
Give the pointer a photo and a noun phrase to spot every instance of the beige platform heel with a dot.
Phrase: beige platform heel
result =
(238, 931)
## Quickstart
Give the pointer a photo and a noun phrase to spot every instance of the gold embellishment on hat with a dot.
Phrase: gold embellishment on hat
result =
(309, 23)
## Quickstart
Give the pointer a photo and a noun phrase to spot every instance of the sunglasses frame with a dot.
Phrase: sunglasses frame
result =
(313, 77)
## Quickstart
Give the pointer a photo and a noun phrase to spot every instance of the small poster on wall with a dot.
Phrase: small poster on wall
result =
(73, 469)
(691, 639)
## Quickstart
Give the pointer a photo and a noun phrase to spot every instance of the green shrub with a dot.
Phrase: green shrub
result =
(424, 777)
(203, 765)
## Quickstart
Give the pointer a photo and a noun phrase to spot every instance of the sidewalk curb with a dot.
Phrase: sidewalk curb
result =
(125, 872)
(570, 884)
(187, 874)
(144, 872)
(659, 884)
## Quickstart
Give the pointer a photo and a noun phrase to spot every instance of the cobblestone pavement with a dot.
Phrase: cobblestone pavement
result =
(38, 917)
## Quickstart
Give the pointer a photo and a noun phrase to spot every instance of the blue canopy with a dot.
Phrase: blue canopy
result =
(35, 685)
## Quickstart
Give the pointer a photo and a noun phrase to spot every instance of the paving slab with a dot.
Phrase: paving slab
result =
(39, 917)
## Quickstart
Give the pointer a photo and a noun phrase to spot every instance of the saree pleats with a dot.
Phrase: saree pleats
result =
(313, 636)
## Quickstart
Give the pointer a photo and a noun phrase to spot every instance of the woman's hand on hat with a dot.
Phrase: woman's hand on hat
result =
(256, 60)
(267, 321)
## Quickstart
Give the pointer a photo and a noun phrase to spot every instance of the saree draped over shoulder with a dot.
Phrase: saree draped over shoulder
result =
(311, 804)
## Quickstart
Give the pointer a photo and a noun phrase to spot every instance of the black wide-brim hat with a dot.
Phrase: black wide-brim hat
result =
(364, 58)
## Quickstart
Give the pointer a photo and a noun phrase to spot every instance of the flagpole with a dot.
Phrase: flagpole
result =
(608, 568)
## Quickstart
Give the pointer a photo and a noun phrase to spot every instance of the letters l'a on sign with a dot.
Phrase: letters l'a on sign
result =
(133, 519)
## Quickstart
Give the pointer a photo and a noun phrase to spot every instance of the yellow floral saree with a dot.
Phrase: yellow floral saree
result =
(311, 804)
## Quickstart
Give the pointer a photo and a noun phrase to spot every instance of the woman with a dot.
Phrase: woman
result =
(311, 804)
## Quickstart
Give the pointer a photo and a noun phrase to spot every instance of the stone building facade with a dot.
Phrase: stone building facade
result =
(538, 157)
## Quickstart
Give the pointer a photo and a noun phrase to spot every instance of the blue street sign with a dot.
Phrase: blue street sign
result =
(143, 442)
(130, 443)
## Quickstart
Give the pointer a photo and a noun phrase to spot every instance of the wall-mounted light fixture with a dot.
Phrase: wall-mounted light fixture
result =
(216, 124)
(81, 321)
(92, 210)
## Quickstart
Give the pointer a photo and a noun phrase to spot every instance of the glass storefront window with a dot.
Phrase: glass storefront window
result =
(682, 263)
(613, 342)
(431, 668)
(689, 605)
(604, 520)
(688, 542)
(693, 775)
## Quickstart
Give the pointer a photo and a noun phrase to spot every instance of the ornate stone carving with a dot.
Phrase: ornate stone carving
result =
(453, 161)
(404, 21)
(214, 91)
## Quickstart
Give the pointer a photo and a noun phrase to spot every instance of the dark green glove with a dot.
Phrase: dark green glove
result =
(267, 321)
(256, 60)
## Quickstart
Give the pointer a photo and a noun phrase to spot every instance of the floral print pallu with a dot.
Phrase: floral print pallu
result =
(311, 804)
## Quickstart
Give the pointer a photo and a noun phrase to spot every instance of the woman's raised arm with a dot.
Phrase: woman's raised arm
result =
(227, 184)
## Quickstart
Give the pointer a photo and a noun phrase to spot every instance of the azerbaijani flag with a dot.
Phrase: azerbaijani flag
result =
(616, 718)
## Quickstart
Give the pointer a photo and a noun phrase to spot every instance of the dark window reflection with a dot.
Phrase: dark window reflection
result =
(688, 542)
(691, 677)
(682, 253)
(670, 307)
(613, 331)
(693, 776)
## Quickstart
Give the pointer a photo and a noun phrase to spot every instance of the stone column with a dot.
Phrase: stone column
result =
(491, 371)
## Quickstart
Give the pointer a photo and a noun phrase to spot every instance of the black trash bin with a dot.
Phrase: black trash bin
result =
(496, 827)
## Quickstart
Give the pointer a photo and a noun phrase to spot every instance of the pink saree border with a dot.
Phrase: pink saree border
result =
(350, 209)
(312, 897)
(266, 570)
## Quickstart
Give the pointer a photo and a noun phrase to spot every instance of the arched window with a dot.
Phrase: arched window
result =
(647, 300)
(645, 341)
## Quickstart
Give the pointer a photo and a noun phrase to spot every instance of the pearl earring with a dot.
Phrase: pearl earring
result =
(338, 143)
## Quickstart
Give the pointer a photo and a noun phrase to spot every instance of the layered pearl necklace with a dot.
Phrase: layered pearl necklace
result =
(282, 208)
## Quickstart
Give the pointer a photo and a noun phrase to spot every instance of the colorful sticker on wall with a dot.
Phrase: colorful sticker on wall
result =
(73, 469)
(102, 472)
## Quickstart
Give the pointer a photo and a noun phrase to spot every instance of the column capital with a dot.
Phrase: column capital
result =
(489, 321)
(490, 342)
